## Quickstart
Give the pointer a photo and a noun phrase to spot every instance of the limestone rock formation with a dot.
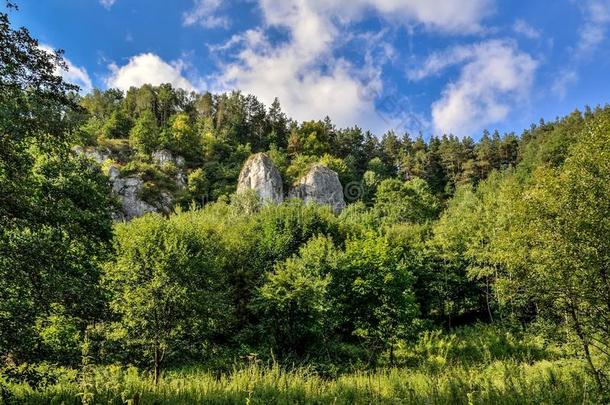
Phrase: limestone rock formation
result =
(127, 190)
(260, 174)
(99, 155)
(320, 185)
(164, 156)
(113, 173)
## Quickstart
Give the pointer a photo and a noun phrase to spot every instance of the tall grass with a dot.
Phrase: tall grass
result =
(478, 344)
(474, 365)
(505, 382)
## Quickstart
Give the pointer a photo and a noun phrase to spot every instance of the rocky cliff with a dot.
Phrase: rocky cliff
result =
(260, 174)
(138, 193)
(128, 189)
(320, 185)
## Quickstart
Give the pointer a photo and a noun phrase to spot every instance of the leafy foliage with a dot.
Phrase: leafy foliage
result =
(55, 223)
(165, 285)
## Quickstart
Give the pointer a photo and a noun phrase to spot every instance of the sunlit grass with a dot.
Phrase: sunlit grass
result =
(505, 382)
(473, 365)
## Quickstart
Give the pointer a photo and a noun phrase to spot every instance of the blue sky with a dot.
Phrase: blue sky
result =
(435, 66)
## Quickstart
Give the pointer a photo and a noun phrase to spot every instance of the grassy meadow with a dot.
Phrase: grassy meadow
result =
(506, 382)
(476, 365)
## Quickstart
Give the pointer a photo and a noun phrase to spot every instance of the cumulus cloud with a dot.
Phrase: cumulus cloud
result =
(73, 74)
(204, 12)
(304, 72)
(494, 76)
(147, 68)
(441, 15)
(523, 28)
(107, 4)
(451, 16)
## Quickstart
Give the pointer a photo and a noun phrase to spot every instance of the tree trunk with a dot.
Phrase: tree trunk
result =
(157, 363)
(487, 294)
(585, 346)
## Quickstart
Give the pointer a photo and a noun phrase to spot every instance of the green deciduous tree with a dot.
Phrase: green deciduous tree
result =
(55, 220)
(182, 137)
(294, 300)
(117, 125)
(144, 136)
(557, 250)
(165, 285)
(411, 201)
(372, 290)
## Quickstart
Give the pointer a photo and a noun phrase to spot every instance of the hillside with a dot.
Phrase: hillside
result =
(163, 147)
(191, 147)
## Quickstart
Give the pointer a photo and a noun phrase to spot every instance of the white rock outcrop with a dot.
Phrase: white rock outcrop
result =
(320, 185)
(113, 173)
(97, 154)
(127, 191)
(164, 156)
(260, 174)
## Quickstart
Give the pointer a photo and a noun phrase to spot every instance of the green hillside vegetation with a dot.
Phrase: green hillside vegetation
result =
(460, 271)
(217, 132)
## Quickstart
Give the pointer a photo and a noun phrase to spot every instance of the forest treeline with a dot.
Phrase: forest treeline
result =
(509, 230)
(217, 132)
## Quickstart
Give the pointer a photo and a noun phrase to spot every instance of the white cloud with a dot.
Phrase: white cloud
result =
(249, 38)
(439, 61)
(494, 77)
(523, 28)
(303, 71)
(565, 79)
(107, 4)
(78, 76)
(453, 16)
(204, 13)
(73, 74)
(147, 68)
(444, 15)
(593, 31)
